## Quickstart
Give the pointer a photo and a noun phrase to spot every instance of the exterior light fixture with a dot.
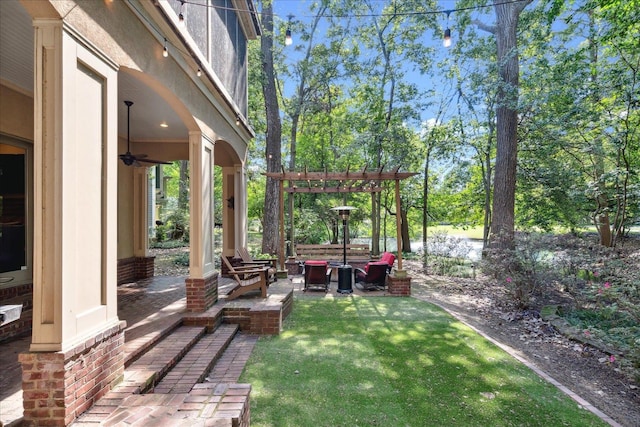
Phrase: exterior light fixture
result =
(288, 40)
(446, 42)
(181, 15)
(165, 52)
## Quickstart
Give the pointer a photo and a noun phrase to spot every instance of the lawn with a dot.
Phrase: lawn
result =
(380, 361)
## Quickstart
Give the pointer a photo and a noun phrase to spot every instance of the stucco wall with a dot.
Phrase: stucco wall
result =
(16, 113)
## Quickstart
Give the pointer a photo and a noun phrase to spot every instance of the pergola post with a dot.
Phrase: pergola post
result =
(282, 248)
(398, 225)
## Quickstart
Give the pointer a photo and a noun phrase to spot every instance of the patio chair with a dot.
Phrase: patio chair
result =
(374, 274)
(247, 260)
(317, 274)
(247, 280)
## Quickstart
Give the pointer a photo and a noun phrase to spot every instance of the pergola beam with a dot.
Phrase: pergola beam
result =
(338, 176)
(333, 189)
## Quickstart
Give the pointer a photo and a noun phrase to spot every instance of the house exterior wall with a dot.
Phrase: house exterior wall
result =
(16, 119)
(83, 49)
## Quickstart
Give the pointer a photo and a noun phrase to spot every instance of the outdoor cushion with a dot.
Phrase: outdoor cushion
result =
(387, 257)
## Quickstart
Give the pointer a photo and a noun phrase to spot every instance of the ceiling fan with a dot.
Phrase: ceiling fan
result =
(135, 159)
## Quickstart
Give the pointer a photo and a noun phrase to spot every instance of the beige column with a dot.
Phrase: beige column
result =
(202, 284)
(241, 208)
(231, 205)
(140, 212)
(75, 180)
(76, 349)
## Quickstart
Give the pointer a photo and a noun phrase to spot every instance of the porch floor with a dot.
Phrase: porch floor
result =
(146, 306)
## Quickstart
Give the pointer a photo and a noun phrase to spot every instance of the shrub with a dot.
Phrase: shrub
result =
(182, 259)
(447, 255)
(524, 268)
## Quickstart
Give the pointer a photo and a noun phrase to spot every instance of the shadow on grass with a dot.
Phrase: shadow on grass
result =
(394, 361)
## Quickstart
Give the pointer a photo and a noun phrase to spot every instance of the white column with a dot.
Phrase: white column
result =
(201, 262)
(75, 178)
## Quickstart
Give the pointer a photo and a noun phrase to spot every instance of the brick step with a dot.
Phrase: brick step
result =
(230, 366)
(143, 374)
(215, 405)
(142, 336)
(195, 365)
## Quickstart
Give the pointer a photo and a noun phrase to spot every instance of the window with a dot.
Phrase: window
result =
(15, 212)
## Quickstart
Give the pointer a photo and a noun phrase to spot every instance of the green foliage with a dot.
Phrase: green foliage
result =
(177, 225)
(182, 259)
(310, 227)
(604, 284)
(393, 361)
(161, 233)
(523, 269)
(169, 244)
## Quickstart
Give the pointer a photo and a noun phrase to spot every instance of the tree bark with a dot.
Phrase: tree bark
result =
(273, 136)
(504, 189)
(183, 186)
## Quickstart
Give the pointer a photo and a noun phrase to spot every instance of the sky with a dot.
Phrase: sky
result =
(299, 10)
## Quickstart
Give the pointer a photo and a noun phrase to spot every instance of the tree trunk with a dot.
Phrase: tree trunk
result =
(375, 223)
(183, 186)
(504, 189)
(404, 232)
(273, 137)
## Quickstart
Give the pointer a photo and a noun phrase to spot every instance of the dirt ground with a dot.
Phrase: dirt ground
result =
(583, 369)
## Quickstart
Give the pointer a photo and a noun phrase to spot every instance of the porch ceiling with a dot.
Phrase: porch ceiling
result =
(16, 69)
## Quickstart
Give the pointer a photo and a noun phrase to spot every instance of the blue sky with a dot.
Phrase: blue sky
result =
(299, 9)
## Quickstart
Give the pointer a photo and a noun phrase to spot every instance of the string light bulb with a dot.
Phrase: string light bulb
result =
(446, 42)
(288, 40)
(165, 52)
(237, 119)
(199, 72)
(181, 15)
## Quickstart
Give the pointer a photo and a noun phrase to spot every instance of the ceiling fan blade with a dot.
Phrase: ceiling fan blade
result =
(140, 156)
(159, 162)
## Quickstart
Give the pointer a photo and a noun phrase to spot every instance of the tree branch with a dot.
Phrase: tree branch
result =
(484, 27)
(519, 7)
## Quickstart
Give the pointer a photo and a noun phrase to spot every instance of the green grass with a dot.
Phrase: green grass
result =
(394, 362)
(470, 232)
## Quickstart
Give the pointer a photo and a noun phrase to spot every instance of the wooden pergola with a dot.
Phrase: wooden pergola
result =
(338, 182)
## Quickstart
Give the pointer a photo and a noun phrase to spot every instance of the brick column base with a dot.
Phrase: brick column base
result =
(399, 286)
(293, 267)
(201, 293)
(59, 386)
(144, 267)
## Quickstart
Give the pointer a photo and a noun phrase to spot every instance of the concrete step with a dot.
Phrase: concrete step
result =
(196, 364)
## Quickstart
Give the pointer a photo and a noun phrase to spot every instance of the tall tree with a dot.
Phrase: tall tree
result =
(504, 188)
(274, 134)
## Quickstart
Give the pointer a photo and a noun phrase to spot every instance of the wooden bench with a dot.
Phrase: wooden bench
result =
(356, 252)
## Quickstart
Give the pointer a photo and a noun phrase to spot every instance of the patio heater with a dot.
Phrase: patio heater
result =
(345, 272)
